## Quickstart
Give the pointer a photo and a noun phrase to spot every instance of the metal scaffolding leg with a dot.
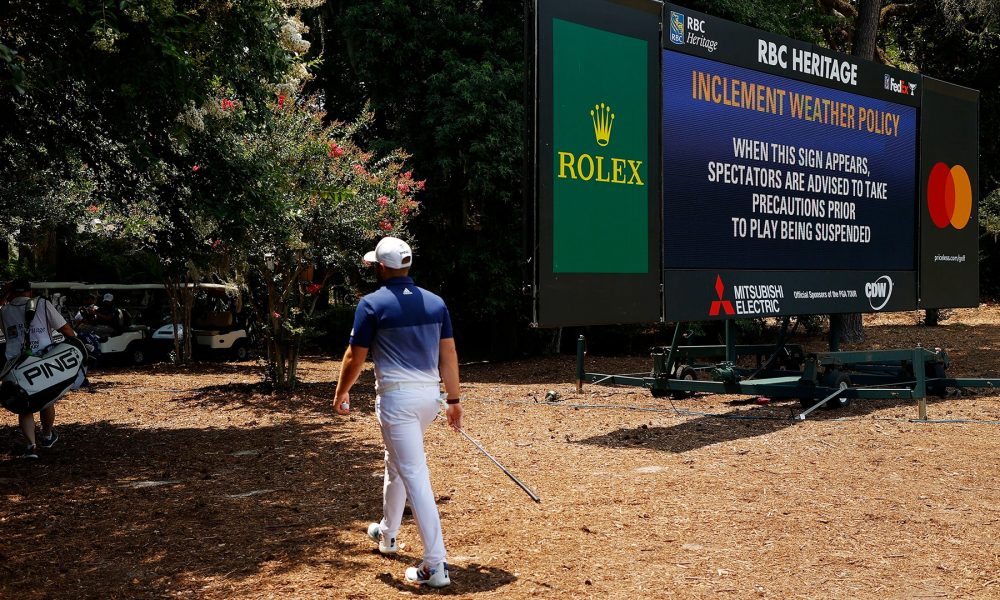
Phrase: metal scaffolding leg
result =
(802, 415)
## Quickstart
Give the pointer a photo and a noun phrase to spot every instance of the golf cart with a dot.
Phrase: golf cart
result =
(125, 338)
(216, 324)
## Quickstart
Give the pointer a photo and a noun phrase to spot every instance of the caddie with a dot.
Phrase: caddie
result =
(39, 338)
(408, 331)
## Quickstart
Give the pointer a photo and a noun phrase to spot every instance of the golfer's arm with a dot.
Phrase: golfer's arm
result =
(67, 330)
(448, 365)
(350, 368)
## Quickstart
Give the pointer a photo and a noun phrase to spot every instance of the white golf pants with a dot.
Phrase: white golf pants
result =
(403, 416)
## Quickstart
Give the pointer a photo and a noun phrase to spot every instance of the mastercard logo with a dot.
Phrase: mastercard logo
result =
(949, 196)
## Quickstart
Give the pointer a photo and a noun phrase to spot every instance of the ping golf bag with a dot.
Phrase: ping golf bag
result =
(29, 383)
(32, 383)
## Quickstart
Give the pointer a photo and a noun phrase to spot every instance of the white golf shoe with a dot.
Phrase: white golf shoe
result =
(436, 577)
(384, 546)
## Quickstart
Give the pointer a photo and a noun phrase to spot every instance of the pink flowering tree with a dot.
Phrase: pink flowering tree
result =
(317, 202)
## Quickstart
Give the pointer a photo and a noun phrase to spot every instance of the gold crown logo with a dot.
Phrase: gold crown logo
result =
(603, 119)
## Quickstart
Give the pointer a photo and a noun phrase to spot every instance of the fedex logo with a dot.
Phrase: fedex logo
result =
(900, 86)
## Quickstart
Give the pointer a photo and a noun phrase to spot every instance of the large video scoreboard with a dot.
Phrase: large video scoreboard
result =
(703, 169)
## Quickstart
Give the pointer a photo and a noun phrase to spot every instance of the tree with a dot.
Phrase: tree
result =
(319, 201)
(100, 100)
(445, 79)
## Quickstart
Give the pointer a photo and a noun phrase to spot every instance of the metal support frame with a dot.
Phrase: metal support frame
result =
(900, 374)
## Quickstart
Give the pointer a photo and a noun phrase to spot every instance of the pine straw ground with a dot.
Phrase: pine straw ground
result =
(193, 483)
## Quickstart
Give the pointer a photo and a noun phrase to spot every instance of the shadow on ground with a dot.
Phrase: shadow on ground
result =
(470, 579)
(113, 511)
(727, 426)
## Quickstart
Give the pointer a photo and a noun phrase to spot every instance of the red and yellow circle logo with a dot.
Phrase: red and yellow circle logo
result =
(949, 196)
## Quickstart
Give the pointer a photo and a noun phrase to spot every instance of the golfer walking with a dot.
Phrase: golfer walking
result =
(408, 330)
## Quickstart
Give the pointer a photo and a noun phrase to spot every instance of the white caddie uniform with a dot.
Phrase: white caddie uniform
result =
(403, 325)
(47, 319)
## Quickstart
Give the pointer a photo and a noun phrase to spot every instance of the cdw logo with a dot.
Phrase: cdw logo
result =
(879, 292)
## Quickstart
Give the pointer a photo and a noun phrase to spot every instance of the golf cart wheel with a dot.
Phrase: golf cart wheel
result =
(241, 351)
(686, 373)
(135, 353)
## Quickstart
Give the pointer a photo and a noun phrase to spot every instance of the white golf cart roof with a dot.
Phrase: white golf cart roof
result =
(76, 285)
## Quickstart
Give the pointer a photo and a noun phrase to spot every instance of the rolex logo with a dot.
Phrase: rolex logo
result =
(603, 169)
(603, 119)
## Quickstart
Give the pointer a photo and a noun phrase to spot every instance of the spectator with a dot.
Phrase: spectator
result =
(107, 320)
(85, 317)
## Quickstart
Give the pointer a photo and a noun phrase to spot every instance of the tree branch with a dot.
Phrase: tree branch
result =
(843, 7)
(896, 9)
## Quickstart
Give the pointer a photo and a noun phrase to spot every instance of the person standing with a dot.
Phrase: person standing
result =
(34, 342)
(408, 330)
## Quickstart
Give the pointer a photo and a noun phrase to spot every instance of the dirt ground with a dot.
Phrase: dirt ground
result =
(192, 482)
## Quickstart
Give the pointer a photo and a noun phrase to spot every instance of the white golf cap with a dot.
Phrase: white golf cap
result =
(391, 252)
(108, 298)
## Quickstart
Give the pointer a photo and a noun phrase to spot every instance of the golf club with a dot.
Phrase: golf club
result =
(520, 483)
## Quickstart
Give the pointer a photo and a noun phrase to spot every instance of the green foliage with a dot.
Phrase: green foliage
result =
(445, 79)
(989, 214)
(797, 19)
(99, 101)
(311, 202)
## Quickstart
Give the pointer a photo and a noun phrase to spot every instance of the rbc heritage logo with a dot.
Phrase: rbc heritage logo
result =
(677, 28)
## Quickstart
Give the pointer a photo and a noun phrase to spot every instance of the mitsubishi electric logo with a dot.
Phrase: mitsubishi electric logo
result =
(879, 292)
(720, 305)
(597, 168)
(752, 299)
(603, 120)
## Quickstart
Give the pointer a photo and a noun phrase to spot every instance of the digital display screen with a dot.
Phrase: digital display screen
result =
(762, 172)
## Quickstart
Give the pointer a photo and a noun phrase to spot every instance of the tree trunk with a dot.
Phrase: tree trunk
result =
(849, 328)
(852, 328)
(866, 29)
(181, 296)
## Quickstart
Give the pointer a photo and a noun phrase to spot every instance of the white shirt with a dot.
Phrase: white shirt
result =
(46, 319)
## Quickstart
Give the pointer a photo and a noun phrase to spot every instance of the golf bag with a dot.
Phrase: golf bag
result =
(31, 383)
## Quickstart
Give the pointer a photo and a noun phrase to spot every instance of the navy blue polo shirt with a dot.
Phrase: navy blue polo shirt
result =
(403, 325)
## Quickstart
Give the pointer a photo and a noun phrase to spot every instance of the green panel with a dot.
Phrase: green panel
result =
(600, 181)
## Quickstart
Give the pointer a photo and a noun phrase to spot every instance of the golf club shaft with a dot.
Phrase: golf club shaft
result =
(479, 446)
(520, 484)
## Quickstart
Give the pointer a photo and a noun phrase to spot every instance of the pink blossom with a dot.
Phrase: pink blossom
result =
(420, 184)
(383, 200)
(215, 243)
(276, 315)
(408, 175)
(385, 224)
(195, 168)
(406, 210)
(227, 104)
(335, 150)
(402, 187)
(359, 169)
(313, 288)
(281, 100)
(92, 208)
